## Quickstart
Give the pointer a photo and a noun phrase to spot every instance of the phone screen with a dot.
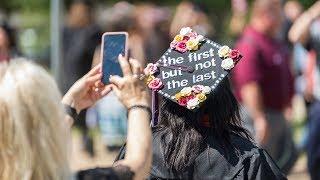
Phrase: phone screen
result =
(113, 45)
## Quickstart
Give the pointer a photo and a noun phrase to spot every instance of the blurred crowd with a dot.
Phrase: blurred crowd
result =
(279, 41)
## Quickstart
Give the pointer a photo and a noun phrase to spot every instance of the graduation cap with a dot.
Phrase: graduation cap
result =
(190, 70)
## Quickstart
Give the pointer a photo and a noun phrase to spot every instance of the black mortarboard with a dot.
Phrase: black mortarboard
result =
(190, 69)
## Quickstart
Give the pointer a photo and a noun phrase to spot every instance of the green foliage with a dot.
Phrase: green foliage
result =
(24, 5)
(216, 6)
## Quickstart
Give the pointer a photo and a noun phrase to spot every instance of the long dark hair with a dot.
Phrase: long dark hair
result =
(184, 134)
(10, 32)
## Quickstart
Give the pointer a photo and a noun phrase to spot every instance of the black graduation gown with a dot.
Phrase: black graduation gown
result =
(112, 173)
(241, 161)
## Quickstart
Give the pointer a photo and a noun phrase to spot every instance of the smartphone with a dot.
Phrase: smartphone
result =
(113, 44)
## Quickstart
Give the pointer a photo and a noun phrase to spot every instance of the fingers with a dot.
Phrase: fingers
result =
(125, 66)
(117, 80)
(93, 79)
(95, 95)
(99, 84)
(115, 89)
(135, 66)
(95, 70)
(106, 90)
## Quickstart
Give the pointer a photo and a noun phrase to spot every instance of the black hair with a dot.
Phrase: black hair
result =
(10, 32)
(185, 136)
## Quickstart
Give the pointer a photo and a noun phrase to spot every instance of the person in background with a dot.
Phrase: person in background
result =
(263, 82)
(239, 17)
(35, 133)
(80, 37)
(292, 10)
(8, 48)
(192, 15)
(125, 21)
(306, 30)
(148, 19)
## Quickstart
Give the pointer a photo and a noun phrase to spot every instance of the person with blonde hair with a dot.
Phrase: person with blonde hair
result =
(32, 130)
(34, 133)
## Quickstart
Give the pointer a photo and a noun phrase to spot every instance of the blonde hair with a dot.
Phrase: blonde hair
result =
(33, 133)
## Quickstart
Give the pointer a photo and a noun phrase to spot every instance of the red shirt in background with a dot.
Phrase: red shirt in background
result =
(4, 58)
(265, 61)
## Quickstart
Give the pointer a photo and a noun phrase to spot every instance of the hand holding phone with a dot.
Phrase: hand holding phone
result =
(113, 44)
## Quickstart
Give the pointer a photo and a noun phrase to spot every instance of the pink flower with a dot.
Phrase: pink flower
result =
(185, 38)
(181, 47)
(193, 35)
(190, 97)
(183, 101)
(155, 84)
(173, 44)
(235, 55)
(197, 89)
(150, 69)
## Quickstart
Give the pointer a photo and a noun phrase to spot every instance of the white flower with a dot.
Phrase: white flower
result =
(206, 90)
(184, 31)
(193, 103)
(227, 64)
(200, 38)
(224, 51)
(186, 91)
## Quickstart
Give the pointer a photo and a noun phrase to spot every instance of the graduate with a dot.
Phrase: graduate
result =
(197, 131)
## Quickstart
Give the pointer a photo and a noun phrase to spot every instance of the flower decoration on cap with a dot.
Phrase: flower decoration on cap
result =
(191, 97)
(148, 79)
(155, 84)
(224, 51)
(150, 69)
(185, 31)
(230, 57)
(193, 103)
(186, 91)
(152, 82)
(235, 55)
(227, 64)
(187, 40)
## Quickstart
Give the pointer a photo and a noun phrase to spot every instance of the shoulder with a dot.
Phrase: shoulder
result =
(239, 160)
(239, 149)
(243, 144)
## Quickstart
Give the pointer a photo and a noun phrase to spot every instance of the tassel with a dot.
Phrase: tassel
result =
(155, 109)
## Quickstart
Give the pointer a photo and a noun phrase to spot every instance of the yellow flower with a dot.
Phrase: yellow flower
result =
(186, 91)
(178, 96)
(178, 38)
(192, 44)
(148, 79)
(201, 97)
(224, 51)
